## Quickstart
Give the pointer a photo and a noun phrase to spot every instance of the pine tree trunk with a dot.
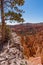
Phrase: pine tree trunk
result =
(3, 21)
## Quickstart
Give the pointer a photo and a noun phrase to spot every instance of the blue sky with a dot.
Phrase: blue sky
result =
(33, 11)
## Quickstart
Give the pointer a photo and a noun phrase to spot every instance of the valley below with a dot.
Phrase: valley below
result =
(25, 47)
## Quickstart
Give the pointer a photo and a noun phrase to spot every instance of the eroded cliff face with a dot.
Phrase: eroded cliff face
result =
(33, 45)
(16, 52)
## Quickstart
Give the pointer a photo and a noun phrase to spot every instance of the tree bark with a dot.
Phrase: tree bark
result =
(3, 21)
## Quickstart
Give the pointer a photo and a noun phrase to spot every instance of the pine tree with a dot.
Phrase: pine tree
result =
(10, 11)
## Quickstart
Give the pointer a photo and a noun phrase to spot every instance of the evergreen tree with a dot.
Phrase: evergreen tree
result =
(10, 11)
